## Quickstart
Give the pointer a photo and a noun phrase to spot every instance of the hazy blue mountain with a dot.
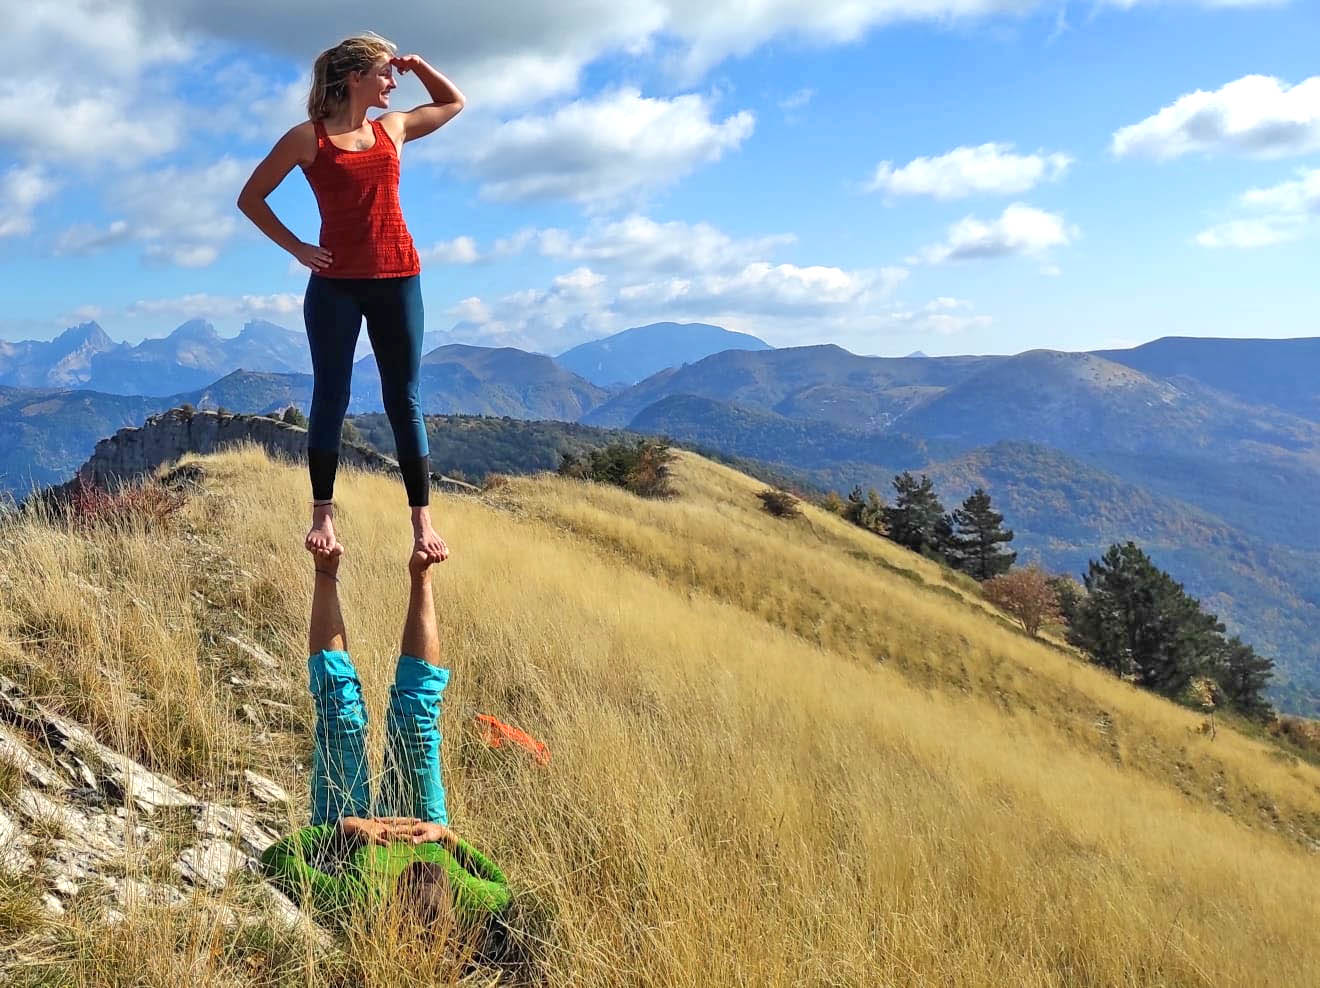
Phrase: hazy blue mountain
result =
(253, 392)
(832, 452)
(628, 357)
(459, 379)
(194, 355)
(62, 362)
(191, 356)
(1282, 373)
(46, 434)
(1081, 401)
(816, 382)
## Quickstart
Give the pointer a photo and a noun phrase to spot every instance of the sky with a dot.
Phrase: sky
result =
(950, 176)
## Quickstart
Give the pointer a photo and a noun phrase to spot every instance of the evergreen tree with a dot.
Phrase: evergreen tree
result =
(1137, 621)
(867, 511)
(1070, 594)
(293, 416)
(1243, 676)
(978, 533)
(917, 520)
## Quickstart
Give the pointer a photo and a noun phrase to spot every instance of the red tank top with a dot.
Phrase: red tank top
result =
(361, 220)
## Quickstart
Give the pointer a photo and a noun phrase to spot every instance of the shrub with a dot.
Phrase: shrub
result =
(351, 434)
(781, 504)
(148, 504)
(1025, 595)
(641, 467)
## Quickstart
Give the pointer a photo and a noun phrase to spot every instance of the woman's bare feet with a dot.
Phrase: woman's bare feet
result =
(321, 537)
(425, 538)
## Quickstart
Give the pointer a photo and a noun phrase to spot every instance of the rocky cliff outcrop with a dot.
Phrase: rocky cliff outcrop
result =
(137, 452)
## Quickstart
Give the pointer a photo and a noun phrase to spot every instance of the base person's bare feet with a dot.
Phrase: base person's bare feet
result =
(426, 539)
(321, 536)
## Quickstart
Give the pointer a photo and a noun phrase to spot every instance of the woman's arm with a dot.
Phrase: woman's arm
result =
(289, 150)
(446, 102)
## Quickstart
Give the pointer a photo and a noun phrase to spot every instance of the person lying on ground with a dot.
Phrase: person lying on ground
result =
(349, 858)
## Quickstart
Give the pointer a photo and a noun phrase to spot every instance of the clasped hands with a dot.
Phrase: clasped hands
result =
(387, 829)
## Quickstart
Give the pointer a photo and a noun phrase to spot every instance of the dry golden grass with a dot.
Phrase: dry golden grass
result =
(785, 752)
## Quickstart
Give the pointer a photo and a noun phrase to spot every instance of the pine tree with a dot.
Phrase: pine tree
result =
(865, 511)
(1137, 621)
(978, 533)
(917, 520)
(1243, 676)
(293, 416)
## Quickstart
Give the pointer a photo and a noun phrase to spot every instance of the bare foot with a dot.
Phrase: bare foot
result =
(321, 537)
(327, 560)
(425, 538)
(419, 562)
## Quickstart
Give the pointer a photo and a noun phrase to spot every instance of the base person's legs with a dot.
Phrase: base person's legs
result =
(413, 785)
(333, 316)
(340, 784)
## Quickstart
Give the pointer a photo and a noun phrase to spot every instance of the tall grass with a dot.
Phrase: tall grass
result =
(784, 751)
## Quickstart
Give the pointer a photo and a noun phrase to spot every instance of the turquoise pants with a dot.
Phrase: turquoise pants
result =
(412, 785)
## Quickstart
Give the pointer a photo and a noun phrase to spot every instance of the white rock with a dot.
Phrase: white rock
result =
(267, 790)
(211, 862)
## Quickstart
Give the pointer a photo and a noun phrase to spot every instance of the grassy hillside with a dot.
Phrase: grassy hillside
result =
(784, 753)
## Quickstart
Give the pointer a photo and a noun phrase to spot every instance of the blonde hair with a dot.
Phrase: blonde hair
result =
(332, 67)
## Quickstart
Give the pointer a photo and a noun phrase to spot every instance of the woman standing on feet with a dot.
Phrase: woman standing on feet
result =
(365, 263)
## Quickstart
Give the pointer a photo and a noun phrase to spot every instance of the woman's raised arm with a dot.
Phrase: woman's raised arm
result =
(446, 101)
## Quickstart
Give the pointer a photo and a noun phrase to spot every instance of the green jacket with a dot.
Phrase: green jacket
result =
(319, 869)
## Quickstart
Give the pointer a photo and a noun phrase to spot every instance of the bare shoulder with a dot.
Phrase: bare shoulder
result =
(396, 125)
(298, 145)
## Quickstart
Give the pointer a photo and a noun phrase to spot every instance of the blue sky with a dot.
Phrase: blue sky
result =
(1067, 175)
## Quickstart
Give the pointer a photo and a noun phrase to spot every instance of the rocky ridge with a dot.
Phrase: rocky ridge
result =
(136, 452)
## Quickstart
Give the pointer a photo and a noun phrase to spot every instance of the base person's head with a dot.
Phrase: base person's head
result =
(356, 66)
(425, 896)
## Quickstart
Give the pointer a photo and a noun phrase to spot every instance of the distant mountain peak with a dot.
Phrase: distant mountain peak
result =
(84, 334)
(918, 354)
(638, 353)
(261, 329)
(195, 329)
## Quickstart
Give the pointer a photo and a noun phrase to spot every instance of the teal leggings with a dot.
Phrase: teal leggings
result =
(413, 785)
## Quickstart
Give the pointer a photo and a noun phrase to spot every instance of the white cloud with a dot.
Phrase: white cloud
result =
(794, 103)
(1020, 229)
(208, 306)
(942, 316)
(763, 289)
(460, 250)
(640, 244)
(92, 105)
(182, 216)
(1250, 233)
(86, 238)
(1280, 214)
(22, 189)
(1256, 115)
(597, 151)
(993, 169)
(1302, 195)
